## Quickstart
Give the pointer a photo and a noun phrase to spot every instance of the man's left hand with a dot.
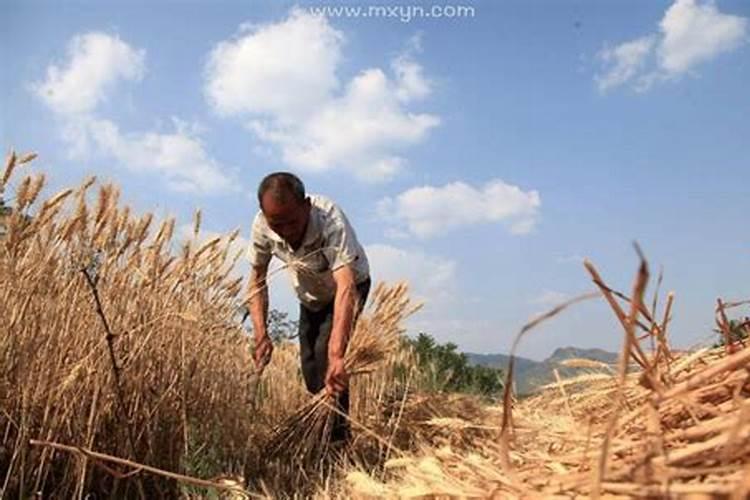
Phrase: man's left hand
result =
(337, 380)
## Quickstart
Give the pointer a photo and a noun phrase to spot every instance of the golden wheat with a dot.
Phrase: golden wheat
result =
(124, 371)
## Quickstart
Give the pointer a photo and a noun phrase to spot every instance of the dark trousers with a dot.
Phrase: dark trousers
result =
(314, 333)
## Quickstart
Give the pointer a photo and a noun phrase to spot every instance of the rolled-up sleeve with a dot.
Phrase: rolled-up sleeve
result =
(259, 251)
(340, 247)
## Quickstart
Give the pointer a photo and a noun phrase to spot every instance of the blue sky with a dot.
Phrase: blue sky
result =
(481, 157)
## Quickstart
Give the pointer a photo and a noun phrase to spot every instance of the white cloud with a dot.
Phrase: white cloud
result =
(624, 61)
(75, 90)
(412, 83)
(281, 79)
(180, 158)
(282, 69)
(690, 33)
(434, 281)
(431, 278)
(427, 211)
(694, 33)
(96, 62)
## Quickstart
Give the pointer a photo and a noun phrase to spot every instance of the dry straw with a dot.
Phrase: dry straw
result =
(376, 338)
(665, 425)
(125, 372)
(88, 296)
(124, 368)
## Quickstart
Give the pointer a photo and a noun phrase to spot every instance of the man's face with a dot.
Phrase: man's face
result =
(286, 218)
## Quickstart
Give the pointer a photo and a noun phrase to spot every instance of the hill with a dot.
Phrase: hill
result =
(530, 374)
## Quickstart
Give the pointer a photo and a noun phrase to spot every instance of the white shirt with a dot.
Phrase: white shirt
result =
(329, 243)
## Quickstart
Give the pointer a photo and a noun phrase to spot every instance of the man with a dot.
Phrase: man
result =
(330, 274)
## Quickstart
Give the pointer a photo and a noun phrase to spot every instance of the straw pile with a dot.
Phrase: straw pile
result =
(665, 424)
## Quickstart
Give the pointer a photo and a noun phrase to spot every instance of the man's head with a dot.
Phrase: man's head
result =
(282, 199)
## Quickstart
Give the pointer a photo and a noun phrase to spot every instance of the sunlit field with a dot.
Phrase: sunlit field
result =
(126, 372)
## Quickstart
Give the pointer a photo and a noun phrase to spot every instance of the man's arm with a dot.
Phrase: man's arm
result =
(343, 318)
(257, 300)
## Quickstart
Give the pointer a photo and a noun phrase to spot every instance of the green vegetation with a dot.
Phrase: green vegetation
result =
(278, 325)
(739, 331)
(443, 369)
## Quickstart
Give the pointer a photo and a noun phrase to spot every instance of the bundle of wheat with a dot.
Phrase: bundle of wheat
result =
(304, 437)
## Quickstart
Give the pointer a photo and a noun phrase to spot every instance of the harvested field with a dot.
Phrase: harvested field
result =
(124, 371)
(662, 425)
(692, 439)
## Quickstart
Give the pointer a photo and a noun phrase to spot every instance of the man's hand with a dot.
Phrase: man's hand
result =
(337, 380)
(263, 351)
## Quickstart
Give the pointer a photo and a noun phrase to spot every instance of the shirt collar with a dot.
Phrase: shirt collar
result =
(312, 232)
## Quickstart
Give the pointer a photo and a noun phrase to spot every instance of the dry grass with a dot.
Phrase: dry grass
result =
(664, 425)
(124, 372)
(116, 340)
(123, 347)
(694, 441)
(300, 443)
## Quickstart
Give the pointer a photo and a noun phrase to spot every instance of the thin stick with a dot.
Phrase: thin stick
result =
(115, 369)
(723, 323)
(139, 467)
(637, 354)
(663, 347)
(627, 350)
(563, 392)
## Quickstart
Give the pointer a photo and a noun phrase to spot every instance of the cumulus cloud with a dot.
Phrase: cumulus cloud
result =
(431, 278)
(281, 69)
(96, 62)
(690, 33)
(74, 90)
(427, 211)
(694, 33)
(281, 80)
(625, 62)
(180, 157)
(434, 281)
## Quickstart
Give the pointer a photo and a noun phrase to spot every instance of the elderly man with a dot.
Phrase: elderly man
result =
(330, 274)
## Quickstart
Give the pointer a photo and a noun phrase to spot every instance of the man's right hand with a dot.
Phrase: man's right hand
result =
(263, 351)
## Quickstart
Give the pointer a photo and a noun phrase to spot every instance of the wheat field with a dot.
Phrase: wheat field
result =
(125, 372)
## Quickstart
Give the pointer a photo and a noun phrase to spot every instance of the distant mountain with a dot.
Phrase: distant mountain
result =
(529, 375)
